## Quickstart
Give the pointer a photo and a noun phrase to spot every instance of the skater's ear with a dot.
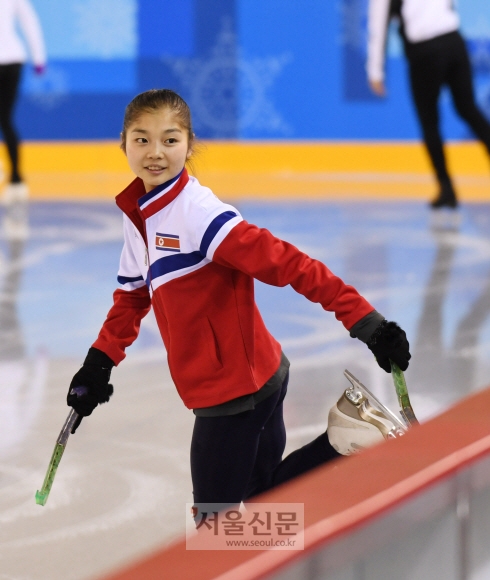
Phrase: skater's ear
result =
(123, 141)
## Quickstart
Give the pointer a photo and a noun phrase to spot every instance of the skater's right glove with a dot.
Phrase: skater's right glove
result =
(90, 386)
(389, 342)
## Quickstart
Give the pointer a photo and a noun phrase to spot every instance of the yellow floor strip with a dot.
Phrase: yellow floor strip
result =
(342, 170)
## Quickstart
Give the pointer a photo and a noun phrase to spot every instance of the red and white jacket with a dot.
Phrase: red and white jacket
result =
(193, 259)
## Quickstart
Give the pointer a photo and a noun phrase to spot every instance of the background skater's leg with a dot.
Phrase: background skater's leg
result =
(426, 79)
(9, 82)
(460, 82)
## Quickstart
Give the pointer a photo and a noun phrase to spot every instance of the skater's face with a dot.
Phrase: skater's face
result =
(157, 147)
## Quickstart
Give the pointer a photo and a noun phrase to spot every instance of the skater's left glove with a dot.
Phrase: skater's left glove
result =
(387, 342)
(90, 385)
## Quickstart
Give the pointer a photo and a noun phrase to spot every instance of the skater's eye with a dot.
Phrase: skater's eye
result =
(141, 140)
(171, 141)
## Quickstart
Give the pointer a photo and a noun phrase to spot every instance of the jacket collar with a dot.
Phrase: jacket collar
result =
(139, 205)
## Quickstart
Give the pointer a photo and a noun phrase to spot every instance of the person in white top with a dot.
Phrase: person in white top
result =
(437, 57)
(14, 15)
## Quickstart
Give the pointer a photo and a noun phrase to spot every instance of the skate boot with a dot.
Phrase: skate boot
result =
(15, 193)
(359, 420)
(15, 222)
(446, 198)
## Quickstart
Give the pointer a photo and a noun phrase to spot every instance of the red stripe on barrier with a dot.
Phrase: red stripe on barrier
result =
(343, 495)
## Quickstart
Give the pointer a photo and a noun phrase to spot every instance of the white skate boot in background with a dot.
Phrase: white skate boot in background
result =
(15, 193)
(359, 420)
(15, 222)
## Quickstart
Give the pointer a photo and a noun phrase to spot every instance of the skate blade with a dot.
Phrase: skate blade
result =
(358, 388)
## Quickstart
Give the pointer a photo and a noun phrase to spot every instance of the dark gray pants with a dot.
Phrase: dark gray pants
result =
(239, 456)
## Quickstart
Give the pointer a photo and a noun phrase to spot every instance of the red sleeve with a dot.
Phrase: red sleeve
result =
(259, 254)
(122, 324)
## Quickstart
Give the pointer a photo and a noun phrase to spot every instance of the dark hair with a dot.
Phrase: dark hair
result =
(153, 100)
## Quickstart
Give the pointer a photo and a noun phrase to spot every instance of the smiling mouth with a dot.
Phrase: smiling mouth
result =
(155, 168)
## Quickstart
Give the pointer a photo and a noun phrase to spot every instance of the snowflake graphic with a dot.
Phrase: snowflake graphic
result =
(107, 28)
(228, 92)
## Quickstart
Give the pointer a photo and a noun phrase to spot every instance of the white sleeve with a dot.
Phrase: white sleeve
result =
(378, 21)
(31, 29)
(129, 275)
(214, 225)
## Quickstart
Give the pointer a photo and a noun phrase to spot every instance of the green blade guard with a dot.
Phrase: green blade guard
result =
(42, 495)
(402, 394)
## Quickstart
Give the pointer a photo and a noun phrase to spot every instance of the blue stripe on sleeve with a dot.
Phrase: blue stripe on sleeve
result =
(213, 228)
(126, 280)
(172, 263)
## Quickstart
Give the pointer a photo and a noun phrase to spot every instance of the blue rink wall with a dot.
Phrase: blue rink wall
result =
(249, 69)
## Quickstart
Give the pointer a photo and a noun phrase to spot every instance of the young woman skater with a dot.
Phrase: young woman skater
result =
(193, 259)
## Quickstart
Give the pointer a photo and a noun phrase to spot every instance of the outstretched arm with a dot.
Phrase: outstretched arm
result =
(90, 385)
(123, 321)
(261, 255)
(131, 303)
(271, 260)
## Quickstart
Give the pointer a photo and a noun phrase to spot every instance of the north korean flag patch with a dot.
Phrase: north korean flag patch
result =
(167, 242)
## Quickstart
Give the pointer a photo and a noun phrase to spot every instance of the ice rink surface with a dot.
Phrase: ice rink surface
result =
(124, 480)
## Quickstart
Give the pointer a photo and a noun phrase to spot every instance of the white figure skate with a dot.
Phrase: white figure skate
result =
(359, 420)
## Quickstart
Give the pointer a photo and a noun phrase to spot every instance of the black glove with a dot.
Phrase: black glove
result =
(387, 342)
(90, 386)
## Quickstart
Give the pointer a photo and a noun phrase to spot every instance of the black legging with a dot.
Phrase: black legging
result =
(434, 63)
(236, 457)
(9, 83)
